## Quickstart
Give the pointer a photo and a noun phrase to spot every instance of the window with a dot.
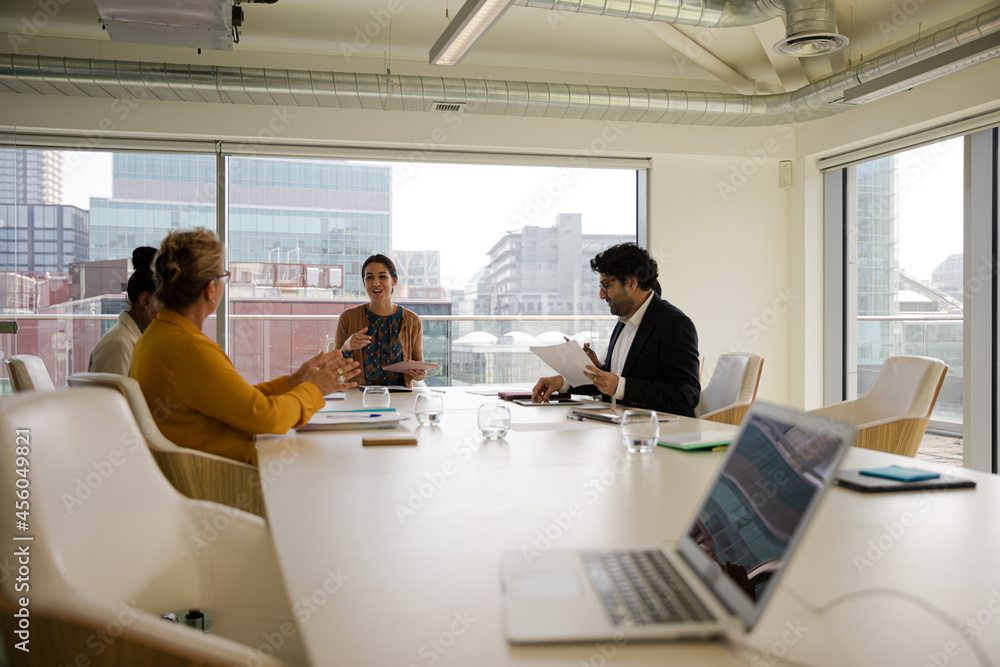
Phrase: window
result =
(468, 240)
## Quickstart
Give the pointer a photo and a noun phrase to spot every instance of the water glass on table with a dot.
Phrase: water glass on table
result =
(640, 431)
(494, 420)
(376, 397)
(428, 409)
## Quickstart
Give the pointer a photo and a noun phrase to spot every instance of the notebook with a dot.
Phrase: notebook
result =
(721, 572)
(694, 440)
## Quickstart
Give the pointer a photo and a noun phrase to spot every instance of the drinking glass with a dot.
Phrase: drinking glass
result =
(428, 408)
(494, 420)
(640, 431)
(376, 397)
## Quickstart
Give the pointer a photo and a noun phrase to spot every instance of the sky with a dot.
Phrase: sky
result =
(930, 206)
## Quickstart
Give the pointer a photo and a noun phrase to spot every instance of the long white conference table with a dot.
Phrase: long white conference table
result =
(390, 553)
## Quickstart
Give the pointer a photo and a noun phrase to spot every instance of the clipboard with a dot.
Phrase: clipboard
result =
(567, 359)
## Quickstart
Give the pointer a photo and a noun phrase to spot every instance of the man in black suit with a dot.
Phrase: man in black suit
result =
(652, 359)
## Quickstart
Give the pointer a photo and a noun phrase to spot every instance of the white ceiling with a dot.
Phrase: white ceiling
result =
(556, 46)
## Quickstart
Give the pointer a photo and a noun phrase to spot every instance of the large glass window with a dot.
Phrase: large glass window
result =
(908, 237)
(493, 258)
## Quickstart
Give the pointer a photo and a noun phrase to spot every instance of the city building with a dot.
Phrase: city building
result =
(37, 232)
(544, 271)
(301, 212)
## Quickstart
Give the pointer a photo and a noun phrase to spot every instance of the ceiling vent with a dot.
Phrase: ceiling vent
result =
(810, 29)
(448, 106)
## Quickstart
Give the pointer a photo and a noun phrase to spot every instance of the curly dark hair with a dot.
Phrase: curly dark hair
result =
(626, 260)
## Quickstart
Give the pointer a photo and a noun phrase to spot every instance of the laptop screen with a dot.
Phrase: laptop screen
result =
(759, 503)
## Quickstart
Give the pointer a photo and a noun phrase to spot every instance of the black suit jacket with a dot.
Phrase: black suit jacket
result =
(662, 367)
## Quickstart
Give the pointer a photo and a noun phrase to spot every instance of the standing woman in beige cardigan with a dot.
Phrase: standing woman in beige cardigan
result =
(379, 332)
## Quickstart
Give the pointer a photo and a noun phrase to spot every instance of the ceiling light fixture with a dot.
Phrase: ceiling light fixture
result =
(470, 23)
(970, 53)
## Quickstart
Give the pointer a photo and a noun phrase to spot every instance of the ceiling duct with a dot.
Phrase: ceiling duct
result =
(705, 13)
(810, 29)
(378, 92)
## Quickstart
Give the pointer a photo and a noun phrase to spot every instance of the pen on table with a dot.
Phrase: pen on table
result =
(440, 391)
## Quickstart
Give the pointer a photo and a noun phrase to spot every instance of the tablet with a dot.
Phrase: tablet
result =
(854, 480)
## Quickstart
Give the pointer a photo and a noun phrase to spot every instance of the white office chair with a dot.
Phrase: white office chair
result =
(28, 373)
(732, 388)
(893, 414)
(115, 547)
(198, 475)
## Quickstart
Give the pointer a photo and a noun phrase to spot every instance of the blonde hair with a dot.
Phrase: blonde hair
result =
(184, 264)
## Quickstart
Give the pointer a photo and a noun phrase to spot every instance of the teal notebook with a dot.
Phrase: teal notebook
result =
(694, 440)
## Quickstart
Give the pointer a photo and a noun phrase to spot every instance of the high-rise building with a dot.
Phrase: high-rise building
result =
(30, 176)
(38, 233)
(303, 212)
(419, 273)
(544, 271)
(877, 266)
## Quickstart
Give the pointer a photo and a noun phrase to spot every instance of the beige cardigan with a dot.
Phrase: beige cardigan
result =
(411, 335)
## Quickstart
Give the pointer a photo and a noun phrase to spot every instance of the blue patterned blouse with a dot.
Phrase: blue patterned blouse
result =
(385, 347)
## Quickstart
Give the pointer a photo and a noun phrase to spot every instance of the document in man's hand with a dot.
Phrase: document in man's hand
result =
(348, 420)
(567, 359)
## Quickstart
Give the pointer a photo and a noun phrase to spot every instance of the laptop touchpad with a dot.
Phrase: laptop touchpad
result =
(547, 585)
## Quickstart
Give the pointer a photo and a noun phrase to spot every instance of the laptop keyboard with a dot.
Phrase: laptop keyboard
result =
(641, 587)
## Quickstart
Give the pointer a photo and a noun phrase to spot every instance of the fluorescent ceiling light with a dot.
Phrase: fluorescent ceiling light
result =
(966, 55)
(470, 23)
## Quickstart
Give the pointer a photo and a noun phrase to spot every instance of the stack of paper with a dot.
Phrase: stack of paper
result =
(344, 420)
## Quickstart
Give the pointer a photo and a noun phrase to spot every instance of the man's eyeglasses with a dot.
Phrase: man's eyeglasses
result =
(224, 277)
(604, 285)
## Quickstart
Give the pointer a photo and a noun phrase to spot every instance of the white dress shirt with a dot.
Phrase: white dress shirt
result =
(624, 344)
(113, 353)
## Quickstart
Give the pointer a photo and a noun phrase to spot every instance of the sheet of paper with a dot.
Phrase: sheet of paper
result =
(567, 359)
(409, 365)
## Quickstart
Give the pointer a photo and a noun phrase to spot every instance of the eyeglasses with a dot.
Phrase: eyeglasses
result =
(224, 277)
(604, 285)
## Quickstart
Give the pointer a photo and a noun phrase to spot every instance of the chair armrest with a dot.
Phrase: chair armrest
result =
(732, 414)
(123, 634)
(896, 436)
(202, 477)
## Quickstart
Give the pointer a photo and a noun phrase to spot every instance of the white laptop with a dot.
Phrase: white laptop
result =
(721, 572)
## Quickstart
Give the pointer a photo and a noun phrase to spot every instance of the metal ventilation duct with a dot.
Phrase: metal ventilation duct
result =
(810, 29)
(706, 13)
(377, 92)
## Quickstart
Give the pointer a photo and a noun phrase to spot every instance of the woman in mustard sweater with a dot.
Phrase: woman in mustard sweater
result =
(380, 332)
(194, 392)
